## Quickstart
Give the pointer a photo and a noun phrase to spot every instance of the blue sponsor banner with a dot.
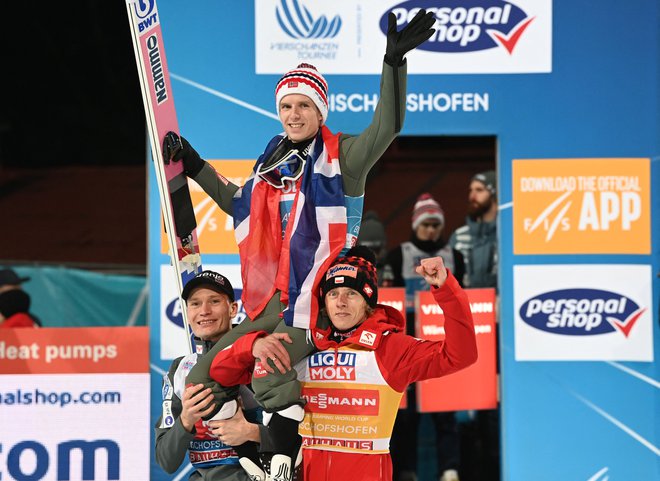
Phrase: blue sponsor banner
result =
(551, 81)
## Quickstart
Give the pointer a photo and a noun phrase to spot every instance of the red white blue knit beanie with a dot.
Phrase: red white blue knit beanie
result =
(427, 208)
(304, 80)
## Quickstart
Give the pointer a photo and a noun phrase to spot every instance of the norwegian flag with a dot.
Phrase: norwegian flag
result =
(315, 233)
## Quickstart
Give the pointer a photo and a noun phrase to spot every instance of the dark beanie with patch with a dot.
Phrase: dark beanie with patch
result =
(357, 270)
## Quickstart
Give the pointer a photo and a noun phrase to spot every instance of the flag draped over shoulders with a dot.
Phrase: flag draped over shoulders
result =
(315, 233)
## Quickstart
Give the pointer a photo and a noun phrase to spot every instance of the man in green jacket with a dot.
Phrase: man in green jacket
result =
(299, 210)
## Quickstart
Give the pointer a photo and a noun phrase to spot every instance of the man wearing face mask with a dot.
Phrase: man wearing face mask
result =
(15, 302)
(300, 209)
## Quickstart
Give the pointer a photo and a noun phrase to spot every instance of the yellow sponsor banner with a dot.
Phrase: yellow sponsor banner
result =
(581, 206)
(215, 229)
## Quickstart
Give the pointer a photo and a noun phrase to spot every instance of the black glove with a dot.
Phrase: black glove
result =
(177, 148)
(411, 36)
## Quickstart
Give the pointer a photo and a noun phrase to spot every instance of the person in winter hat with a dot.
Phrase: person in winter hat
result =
(14, 307)
(477, 239)
(274, 253)
(373, 236)
(15, 302)
(365, 342)
(426, 240)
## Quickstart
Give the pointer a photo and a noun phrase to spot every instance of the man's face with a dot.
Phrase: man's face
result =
(345, 307)
(479, 199)
(300, 117)
(210, 313)
(429, 230)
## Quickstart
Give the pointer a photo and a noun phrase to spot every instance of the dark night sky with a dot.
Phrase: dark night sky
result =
(71, 94)
(72, 137)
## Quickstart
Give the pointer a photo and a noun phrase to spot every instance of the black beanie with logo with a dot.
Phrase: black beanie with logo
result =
(357, 270)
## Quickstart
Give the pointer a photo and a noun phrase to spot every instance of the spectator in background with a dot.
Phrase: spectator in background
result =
(428, 221)
(477, 240)
(15, 302)
(373, 236)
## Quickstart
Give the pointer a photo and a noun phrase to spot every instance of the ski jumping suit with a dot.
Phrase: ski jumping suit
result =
(210, 457)
(353, 389)
(357, 154)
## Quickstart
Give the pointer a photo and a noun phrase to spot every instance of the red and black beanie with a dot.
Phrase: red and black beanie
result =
(357, 270)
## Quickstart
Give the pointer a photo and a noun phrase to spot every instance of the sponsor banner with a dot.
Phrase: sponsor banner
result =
(582, 206)
(74, 350)
(173, 336)
(474, 387)
(215, 229)
(394, 297)
(349, 37)
(75, 426)
(583, 313)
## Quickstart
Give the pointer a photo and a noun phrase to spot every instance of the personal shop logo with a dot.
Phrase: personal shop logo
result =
(298, 22)
(466, 25)
(581, 312)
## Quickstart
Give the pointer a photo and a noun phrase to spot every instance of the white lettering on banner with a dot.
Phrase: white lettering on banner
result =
(435, 330)
(95, 353)
(398, 305)
(616, 183)
(352, 102)
(444, 102)
(415, 102)
(598, 214)
(475, 307)
(481, 307)
(12, 352)
(603, 201)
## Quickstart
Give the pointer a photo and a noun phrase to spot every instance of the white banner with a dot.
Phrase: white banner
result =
(74, 427)
(349, 37)
(583, 312)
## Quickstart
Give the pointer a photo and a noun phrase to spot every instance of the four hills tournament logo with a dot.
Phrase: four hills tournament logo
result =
(297, 21)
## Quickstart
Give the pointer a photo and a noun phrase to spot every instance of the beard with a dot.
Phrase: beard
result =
(476, 210)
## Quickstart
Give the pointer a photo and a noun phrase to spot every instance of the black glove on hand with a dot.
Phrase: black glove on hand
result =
(411, 36)
(177, 148)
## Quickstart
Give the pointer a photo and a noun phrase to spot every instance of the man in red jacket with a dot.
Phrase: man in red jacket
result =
(354, 382)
